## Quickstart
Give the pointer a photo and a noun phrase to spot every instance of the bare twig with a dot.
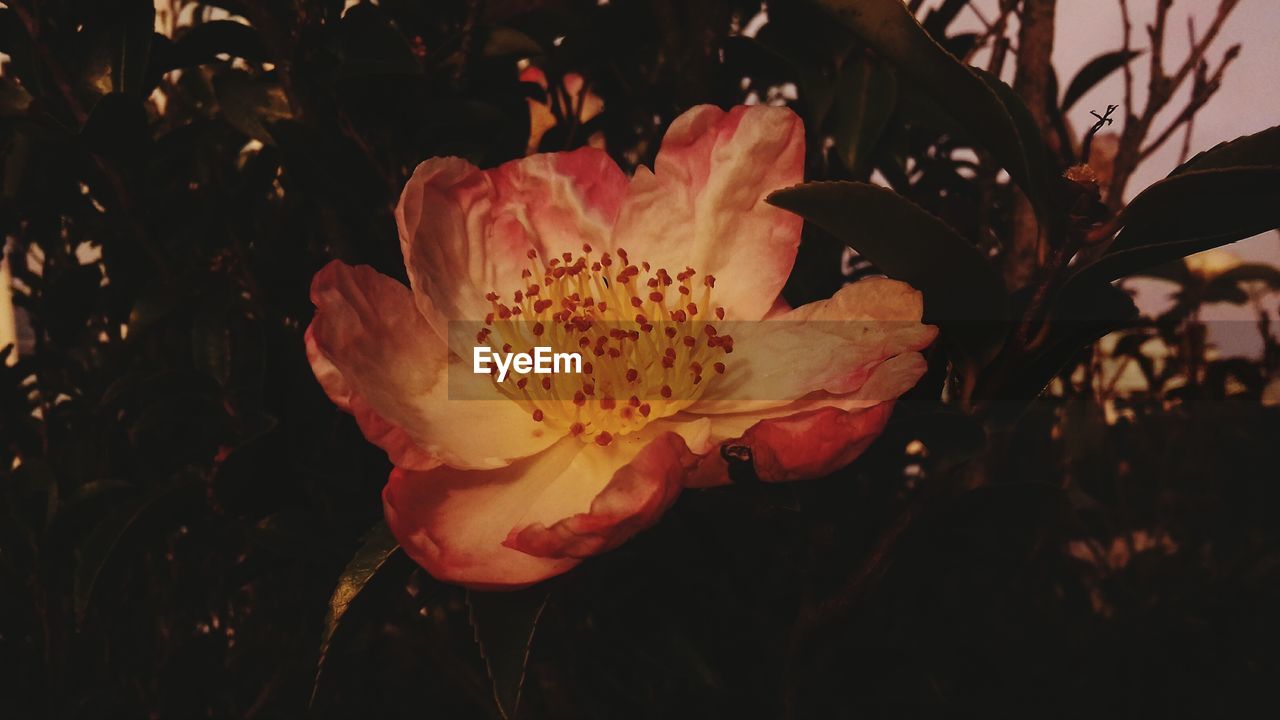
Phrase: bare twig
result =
(1185, 152)
(994, 29)
(1161, 88)
(1203, 88)
(1127, 26)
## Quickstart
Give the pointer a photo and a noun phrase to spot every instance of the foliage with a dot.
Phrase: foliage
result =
(185, 514)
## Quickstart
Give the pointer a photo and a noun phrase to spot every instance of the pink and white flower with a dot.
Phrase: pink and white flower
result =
(521, 485)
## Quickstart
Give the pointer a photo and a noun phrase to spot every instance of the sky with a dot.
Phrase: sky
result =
(1248, 102)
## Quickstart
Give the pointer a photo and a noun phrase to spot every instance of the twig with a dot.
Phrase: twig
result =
(1161, 89)
(1203, 89)
(1191, 122)
(992, 29)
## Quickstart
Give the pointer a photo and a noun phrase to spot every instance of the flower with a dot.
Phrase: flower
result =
(510, 486)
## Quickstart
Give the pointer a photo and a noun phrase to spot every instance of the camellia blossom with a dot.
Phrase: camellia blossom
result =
(510, 485)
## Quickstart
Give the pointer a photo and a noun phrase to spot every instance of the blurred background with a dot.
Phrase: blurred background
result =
(178, 499)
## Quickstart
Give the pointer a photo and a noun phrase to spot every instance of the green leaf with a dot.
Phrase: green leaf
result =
(376, 548)
(963, 293)
(1094, 72)
(894, 33)
(1259, 149)
(504, 625)
(865, 99)
(1189, 213)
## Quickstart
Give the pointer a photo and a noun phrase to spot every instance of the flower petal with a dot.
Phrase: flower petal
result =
(380, 360)
(466, 232)
(830, 346)
(453, 522)
(538, 517)
(636, 496)
(703, 205)
(812, 436)
(814, 443)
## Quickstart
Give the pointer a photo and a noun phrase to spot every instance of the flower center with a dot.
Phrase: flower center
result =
(647, 345)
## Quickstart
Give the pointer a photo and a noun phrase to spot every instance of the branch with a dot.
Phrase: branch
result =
(1203, 89)
(1128, 69)
(1161, 89)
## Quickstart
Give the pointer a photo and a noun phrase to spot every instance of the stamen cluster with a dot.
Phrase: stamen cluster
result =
(648, 344)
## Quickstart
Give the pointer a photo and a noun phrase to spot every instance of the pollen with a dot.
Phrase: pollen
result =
(635, 339)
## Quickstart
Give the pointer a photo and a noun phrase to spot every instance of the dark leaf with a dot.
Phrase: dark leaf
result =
(1094, 72)
(509, 42)
(1174, 271)
(1080, 318)
(251, 104)
(204, 42)
(1036, 152)
(133, 37)
(372, 45)
(377, 546)
(865, 99)
(1267, 275)
(941, 17)
(36, 489)
(962, 44)
(816, 88)
(14, 98)
(504, 624)
(1190, 213)
(962, 292)
(893, 32)
(1261, 148)
(1224, 290)
(118, 44)
(117, 127)
(15, 43)
(99, 547)
(951, 437)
